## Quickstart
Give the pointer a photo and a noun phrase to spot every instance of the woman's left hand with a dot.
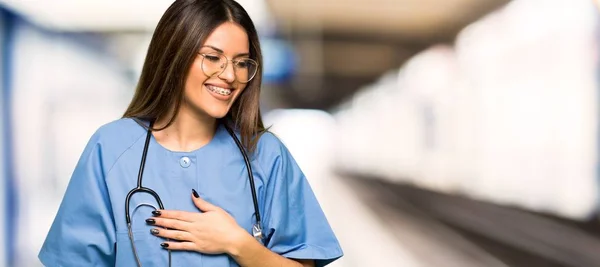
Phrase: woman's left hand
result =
(212, 231)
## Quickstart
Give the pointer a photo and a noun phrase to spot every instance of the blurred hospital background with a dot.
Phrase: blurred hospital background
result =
(451, 133)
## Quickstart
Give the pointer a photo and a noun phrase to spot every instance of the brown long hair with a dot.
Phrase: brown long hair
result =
(180, 33)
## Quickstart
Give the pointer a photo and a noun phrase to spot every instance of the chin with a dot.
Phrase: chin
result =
(216, 112)
(219, 115)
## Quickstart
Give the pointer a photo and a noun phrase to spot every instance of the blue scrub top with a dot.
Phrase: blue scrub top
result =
(90, 229)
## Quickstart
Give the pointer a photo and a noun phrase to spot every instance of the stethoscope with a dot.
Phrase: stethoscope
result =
(256, 228)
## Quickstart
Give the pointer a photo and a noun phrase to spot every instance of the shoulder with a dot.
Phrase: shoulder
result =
(272, 153)
(119, 132)
(112, 139)
(270, 146)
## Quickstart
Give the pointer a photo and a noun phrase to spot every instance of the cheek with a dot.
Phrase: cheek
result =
(239, 90)
(195, 79)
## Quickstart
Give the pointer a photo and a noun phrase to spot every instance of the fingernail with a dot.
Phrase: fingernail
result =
(150, 221)
(195, 193)
(156, 212)
(164, 245)
(154, 231)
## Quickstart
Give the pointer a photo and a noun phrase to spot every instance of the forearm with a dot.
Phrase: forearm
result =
(250, 253)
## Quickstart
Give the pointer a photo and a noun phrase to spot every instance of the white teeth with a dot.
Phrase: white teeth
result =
(219, 90)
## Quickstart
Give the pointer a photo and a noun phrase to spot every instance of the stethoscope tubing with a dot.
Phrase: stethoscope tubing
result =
(256, 229)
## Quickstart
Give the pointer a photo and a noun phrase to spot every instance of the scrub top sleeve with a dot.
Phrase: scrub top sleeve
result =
(83, 231)
(295, 225)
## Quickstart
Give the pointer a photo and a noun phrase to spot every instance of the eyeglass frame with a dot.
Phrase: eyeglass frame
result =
(227, 61)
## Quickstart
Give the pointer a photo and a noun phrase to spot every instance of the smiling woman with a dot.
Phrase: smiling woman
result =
(198, 91)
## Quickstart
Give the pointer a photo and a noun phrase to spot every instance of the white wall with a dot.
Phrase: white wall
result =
(534, 68)
(63, 91)
(509, 114)
(2, 157)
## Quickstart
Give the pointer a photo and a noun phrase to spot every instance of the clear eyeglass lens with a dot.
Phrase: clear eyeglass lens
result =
(214, 64)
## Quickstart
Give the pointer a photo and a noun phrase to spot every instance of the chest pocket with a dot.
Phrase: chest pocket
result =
(148, 248)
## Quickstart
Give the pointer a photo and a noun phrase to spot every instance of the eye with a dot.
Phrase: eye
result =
(243, 63)
(212, 57)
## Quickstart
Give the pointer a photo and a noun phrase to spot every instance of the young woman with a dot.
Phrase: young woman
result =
(191, 141)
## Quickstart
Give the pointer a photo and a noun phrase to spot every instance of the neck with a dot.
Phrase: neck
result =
(189, 131)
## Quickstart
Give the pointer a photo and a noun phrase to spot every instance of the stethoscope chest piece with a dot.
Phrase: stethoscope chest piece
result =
(257, 232)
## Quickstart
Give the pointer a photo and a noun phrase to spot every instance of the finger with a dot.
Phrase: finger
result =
(179, 246)
(169, 223)
(172, 234)
(175, 214)
(202, 204)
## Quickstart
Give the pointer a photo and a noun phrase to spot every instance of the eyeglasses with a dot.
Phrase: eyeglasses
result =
(215, 63)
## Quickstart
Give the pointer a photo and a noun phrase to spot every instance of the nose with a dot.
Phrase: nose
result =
(228, 73)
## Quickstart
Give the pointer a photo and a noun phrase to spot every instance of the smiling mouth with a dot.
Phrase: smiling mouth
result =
(219, 90)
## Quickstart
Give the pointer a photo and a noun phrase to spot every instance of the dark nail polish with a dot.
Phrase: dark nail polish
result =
(164, 245)
(195, 193)
(154, 231)
(150, 221)
(156, 212)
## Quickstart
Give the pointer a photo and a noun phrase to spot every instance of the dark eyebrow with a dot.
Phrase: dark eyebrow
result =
(221, 51)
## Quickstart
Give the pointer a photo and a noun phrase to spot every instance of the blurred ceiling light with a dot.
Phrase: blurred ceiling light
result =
(110, 15)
